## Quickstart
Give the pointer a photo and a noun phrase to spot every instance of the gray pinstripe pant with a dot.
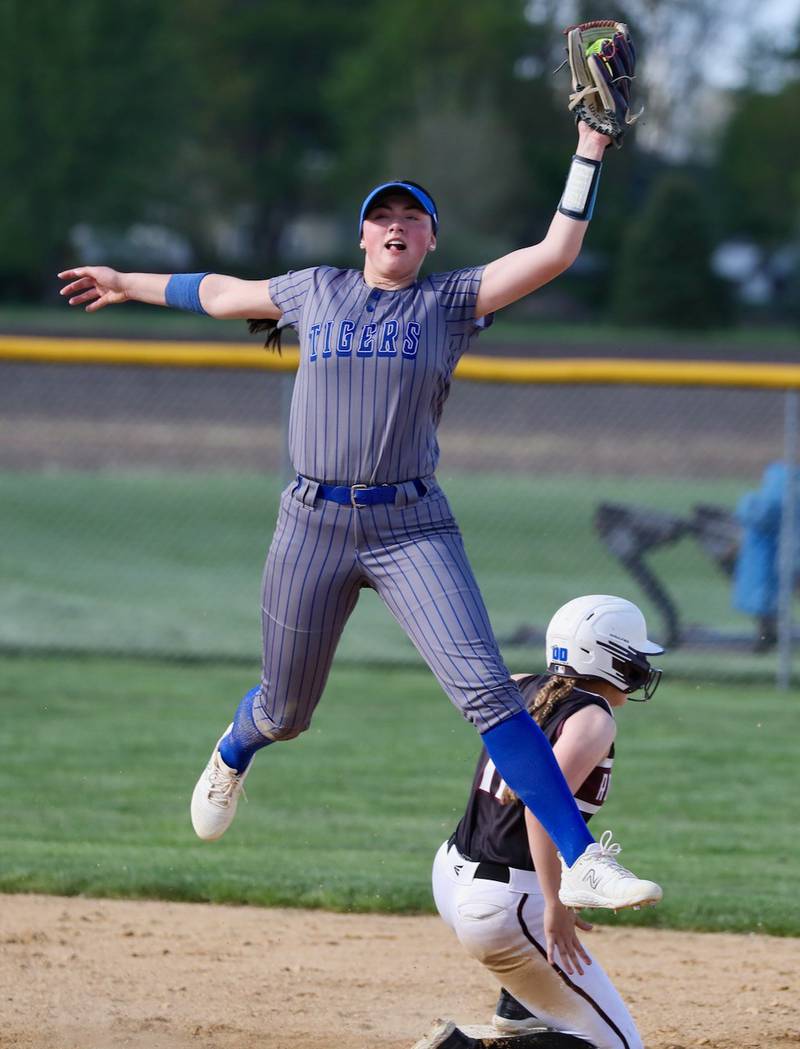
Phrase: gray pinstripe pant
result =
(412, 554)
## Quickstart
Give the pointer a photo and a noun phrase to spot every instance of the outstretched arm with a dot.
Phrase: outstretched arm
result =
(517, 274)
(220, 296)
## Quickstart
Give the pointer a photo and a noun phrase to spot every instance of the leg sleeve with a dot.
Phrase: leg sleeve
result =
(525, 760)
(417, 561)
(310, 586)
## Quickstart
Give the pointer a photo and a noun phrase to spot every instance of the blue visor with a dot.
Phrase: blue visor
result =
(423, 198)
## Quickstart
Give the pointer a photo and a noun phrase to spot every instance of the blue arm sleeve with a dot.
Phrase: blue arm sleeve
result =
(525, 760)
(183, 291)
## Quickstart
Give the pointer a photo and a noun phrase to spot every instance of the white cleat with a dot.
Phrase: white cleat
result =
(216, 795)
(596, 880)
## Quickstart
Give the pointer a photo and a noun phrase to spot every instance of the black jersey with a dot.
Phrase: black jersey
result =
(490, 830)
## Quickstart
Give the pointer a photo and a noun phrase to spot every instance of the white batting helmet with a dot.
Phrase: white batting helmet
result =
(605, 637)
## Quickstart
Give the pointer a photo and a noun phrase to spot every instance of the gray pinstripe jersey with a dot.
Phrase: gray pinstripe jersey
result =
(375, 370)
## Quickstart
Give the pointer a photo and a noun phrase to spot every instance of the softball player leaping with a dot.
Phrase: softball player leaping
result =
(496, 880)
(377, 352)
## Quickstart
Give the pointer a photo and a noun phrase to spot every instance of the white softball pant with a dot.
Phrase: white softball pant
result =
(502, 926)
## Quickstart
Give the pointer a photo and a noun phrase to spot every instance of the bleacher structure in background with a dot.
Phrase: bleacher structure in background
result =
(139, 490)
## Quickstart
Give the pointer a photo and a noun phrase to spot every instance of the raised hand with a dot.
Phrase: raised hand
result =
(591, 143)
(98, 286)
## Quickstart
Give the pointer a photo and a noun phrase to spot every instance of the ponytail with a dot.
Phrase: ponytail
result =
(273, 336)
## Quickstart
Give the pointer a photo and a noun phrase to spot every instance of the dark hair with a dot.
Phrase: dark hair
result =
(274, 333)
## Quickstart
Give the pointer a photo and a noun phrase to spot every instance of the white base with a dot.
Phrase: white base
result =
(486, 1031)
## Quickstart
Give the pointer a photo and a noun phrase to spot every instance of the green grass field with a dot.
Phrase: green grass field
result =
(169, 564)
(100, 756)
(101, 752)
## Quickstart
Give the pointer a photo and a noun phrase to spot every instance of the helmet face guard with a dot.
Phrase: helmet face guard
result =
(634, 671)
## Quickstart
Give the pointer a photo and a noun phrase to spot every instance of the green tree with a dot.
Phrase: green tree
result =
(455, 94)
(87, 99)
(209, 119)
(260, 135)
(758, 173)
(664, 275)
(467, 103)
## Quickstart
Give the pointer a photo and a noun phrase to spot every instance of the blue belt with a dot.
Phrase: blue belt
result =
(357, 495)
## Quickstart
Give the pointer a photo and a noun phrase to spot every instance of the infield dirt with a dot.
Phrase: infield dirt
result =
(115, 974)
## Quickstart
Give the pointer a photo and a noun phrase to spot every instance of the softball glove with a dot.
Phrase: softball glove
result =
(602, 60)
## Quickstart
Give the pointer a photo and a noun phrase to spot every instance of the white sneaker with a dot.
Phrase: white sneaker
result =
(216, 795)
(595, 879)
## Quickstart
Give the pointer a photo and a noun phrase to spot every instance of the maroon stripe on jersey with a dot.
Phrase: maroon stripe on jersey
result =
(572, 986)
(594, 789)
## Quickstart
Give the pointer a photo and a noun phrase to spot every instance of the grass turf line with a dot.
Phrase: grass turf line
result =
(101, 756)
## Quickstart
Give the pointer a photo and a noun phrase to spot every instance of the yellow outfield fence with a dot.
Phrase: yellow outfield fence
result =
(591, 371)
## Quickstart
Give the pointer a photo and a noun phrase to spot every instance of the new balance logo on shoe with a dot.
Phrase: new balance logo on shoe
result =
(595, 879)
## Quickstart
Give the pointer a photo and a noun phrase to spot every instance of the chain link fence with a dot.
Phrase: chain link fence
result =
(138, 504)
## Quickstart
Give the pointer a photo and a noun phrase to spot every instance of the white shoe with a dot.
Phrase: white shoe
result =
(216, 795)
(595, 879)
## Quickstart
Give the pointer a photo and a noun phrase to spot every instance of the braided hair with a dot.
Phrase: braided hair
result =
(554, 691)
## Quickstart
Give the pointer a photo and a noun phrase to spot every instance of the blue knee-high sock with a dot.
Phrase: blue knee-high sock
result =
(244, 739)
(524, 758)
